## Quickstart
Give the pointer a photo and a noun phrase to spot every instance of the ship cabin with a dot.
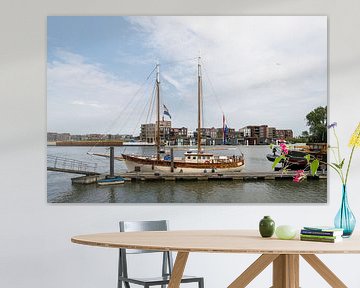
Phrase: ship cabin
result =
(193, 156)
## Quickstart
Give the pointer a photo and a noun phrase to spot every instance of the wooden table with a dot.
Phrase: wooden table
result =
(284, 254)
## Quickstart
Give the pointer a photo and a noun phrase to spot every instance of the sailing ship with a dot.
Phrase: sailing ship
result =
(196, 160)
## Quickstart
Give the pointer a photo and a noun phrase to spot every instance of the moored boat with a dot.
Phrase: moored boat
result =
(295, 159)
(192, 161)
(111, 181)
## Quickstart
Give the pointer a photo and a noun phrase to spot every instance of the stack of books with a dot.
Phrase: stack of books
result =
(321, 234)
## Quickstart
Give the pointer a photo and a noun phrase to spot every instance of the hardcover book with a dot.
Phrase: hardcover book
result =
(321, 232)
(324, 239)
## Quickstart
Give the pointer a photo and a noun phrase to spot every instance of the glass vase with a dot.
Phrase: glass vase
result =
(345, 219)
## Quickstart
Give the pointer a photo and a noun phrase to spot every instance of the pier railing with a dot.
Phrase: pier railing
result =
(67, 165)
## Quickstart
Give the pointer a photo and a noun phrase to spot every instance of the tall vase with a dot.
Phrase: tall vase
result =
(345, 219)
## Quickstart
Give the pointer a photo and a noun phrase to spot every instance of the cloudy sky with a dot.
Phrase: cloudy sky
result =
(256, 70)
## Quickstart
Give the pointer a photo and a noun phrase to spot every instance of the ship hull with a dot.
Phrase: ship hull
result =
(142, 164)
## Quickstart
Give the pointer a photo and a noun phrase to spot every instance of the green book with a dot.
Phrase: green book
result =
(325, 240)
(319, 236)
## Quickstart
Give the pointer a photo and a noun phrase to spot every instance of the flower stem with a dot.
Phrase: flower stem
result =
(348, 166)
(351, 155)
(339, 160)
(337, 143)
(337, 171)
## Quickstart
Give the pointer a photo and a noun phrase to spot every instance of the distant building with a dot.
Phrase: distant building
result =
(123, 137)
(262, 134)
(250, 135)
(53, 137)
(165, 127)
(271, 132)
(148, 132)
(284, 134)
(245, 132)
(178, 136)
(79, 137)
(215, 136)
(58, 137)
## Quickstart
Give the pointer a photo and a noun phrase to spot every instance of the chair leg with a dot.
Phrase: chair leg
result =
(201, 283)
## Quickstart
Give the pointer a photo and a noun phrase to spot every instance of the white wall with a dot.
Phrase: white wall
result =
(35, 248)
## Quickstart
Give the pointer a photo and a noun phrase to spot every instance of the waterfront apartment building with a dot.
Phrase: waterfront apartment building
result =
(179, 136)
(271, 132)
(262, 134)
(215, 136)
(148, 132)
(248, 135)
(284, 134)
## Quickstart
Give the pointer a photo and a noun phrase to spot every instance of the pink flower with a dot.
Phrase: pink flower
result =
(284, 148)
(299, 176)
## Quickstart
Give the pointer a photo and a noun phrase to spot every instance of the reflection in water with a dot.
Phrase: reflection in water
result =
(60, 189)
(111, 193)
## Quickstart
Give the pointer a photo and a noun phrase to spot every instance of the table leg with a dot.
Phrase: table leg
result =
(286, 271)
(324, 271)
(253, 270)
(178, 270)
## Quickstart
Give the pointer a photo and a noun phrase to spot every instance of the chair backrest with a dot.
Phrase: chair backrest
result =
(134, 226)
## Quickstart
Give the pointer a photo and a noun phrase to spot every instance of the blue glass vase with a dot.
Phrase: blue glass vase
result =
(345, 219)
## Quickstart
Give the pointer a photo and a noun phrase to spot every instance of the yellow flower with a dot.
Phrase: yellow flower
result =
(355, 138)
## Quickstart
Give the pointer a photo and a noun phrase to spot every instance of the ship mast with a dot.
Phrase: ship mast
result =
(199, 106)
(158, 111)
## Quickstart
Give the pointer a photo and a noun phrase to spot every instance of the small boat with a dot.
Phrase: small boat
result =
(295, 160)
(111, 181)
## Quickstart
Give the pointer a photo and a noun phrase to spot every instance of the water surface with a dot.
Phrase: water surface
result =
(60, 189)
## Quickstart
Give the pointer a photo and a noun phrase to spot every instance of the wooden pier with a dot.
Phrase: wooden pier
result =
(233, 176)
(242, 176)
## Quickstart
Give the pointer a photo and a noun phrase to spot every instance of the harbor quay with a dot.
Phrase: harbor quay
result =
(235, 176)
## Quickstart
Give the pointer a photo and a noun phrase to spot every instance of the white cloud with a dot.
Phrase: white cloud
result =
(84, 98)
(255, 63)
(264, 70)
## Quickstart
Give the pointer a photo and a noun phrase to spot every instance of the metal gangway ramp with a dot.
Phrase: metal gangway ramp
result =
(67, 165)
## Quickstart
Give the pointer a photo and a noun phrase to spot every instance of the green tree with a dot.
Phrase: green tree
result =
(316, 120)
(304, 134)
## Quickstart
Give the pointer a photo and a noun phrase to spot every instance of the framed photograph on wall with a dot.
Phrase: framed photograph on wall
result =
(186, 109)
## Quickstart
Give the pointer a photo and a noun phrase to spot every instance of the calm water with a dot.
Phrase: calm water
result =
(60, 189)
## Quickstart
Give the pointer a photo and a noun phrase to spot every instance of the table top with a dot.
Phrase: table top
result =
(216, 241)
